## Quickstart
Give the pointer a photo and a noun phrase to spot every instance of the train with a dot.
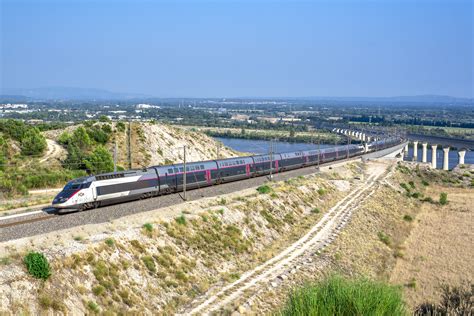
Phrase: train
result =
(115, 187)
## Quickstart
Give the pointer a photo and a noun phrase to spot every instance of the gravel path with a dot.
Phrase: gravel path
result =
(109, 213)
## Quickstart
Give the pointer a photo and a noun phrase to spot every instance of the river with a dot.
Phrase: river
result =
(263, 146)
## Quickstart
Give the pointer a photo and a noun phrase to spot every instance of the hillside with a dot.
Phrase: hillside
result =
(155, 144)
(174, 259)
(77, 150)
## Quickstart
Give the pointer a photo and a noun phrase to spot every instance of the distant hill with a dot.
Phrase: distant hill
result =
(398, 99)
(67, 93)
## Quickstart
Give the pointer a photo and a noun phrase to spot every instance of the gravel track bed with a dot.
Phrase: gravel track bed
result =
(109, 213)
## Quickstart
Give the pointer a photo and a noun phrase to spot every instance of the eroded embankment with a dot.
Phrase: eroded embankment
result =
(160, 261)
(401, 235)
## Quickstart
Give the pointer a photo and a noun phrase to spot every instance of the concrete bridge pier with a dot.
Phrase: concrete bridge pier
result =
(406, 149)
(368, 138)
(433, 156)
(446, 158)
(461, 153)
(415, 150)
(425, 152)
(363, 137)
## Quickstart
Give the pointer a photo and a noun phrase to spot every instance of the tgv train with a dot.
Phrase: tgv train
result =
(108, 188)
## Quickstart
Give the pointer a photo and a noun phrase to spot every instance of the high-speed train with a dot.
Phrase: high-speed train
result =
(108, 188)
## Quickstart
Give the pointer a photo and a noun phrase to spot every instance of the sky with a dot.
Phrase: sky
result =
(230, 48)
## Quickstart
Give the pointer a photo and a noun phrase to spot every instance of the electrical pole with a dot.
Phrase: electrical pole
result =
(115, 156)
(184, 173)
(271, 159)
(319, 149)
(129, 144)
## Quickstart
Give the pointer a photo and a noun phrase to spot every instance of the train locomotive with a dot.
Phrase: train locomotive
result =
(109, 188)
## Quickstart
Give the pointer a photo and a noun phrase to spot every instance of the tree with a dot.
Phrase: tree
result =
(100, 160)
(3, 153)
(33, 143)
(80, 138)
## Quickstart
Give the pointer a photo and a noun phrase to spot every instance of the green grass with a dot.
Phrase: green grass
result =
(149, 263)
(181, 220)
(384, 238)
(110, 242)
(443, 198)
(264, 189)
(148, 227)
(339, 296)
(37, 265)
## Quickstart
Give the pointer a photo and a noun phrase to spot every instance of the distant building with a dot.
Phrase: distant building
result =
(147, 106)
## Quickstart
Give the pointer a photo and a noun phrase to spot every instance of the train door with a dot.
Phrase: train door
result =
(276, 166)
(247, 170)
(208, 176)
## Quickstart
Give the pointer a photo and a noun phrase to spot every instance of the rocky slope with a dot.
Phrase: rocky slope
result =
(152, 144)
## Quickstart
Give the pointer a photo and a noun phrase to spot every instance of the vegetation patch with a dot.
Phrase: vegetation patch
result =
(443, 198)
(339, 296)
(264, 189)
(37, 265)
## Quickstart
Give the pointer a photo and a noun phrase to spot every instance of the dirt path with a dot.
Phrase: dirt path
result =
(54, 151)
(299, 253)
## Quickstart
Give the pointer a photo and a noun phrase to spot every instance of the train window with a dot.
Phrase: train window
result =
(181, 169)
(170, 170)
(176, 170)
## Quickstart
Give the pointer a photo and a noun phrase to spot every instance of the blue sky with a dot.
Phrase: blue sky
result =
(240, 48)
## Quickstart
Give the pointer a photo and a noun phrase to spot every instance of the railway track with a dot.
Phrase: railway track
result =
(31, 219)
(321, 235)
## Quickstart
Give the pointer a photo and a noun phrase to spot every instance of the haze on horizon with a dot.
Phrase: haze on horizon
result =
(258, 48)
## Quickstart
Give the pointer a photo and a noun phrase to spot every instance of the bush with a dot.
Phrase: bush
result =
(321, 191)
(316, 210)
(32, 143)
(264, 189)
(443, 198)
(149, 263)
(412, 184)
(181, 220)
(93, 306)
(384, 238)
(407, 218)
(454, 301)
(425, 183)
(110, 242)
(100, 160)
(148, 227)
(339, 296)
(37, 265)
(98, 290)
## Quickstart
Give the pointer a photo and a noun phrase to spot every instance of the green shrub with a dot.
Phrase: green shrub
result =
(416, 195)
(339, 296)
(181, 220)
(316, 210)
(412, 184)
(408, 218)
(384, 238)
(148, 227)
(93, 306)
(37, 265)
(264, 189)
(405, 186)
(321, 191)
(425, 183)
(110, 242)
(149, 263)
(98, 290)
(443, 198)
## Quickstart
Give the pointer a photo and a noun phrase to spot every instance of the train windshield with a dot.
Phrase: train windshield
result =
(70, 189)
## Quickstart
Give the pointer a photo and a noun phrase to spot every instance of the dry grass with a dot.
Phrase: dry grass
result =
(440, 248)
